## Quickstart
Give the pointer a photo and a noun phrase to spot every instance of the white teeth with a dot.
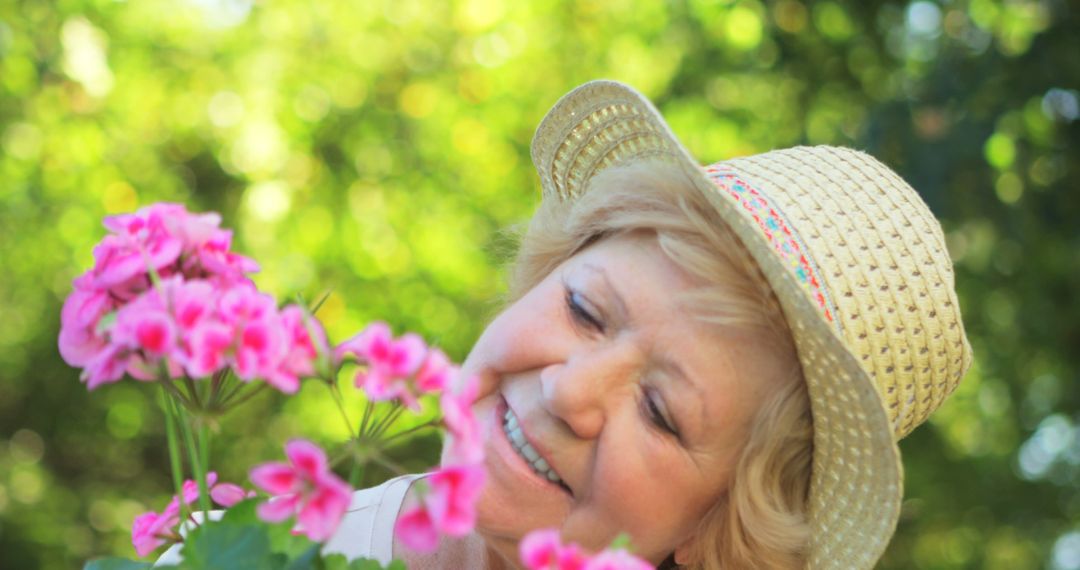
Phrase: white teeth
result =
(526, 451)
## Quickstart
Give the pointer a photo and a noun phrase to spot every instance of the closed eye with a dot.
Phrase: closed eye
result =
(576, 305)
(652, 410)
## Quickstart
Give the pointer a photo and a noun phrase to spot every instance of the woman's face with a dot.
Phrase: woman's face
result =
(637, 407)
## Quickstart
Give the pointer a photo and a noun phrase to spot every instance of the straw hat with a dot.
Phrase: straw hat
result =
(859, 265)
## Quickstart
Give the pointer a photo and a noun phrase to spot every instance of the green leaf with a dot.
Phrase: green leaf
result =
(368, 564)
(622, 542)
(242, 513)
(307, 560)
(339, 562)
(335, 562)
(103, 325)
(226, 546)
(284, 541)
(117, 564)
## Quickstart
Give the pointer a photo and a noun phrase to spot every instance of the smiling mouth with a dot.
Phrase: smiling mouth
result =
(527, 452)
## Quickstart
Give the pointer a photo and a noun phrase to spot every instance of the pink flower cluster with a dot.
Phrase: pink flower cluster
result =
(151, 530)
(167, 298)
(306, 488)
(395, 369)
(202, 315)
(544, 550)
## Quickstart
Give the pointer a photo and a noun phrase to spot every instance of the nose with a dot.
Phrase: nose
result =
(586, 388)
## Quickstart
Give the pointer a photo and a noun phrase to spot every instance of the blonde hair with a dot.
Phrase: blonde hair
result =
(760, 520)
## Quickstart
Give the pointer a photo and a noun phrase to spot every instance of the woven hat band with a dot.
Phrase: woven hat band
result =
(779, 232)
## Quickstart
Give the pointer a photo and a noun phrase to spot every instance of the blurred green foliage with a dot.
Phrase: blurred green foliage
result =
(377, 149)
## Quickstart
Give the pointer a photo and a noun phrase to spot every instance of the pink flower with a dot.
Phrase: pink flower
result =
(390, 362)
(258, 334)
(146, 325)
(454, 491)
(448, 507)
(80, 340)
(190, 489)
(106, 366)
(192, 302)
(306, 488)
(208, 344)
(305, 346)
(416, 529)
(544, 550)
(151, 530)
(215, 258)
(228, 494)
(193, 230)
(435, 373)
(138, 241)
(203, 316)
(466, 445)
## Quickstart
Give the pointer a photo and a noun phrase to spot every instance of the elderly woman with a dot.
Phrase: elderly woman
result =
(717, 361)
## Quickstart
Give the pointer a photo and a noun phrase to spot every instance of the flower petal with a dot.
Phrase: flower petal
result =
(322, 512)
(540, 548)
(616, 560)
(454, 491)
(308, 459)
(416, 530)
(278, 509)
(228, 494)
(275, 478)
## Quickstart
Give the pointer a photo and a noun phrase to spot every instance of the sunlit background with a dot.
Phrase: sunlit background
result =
(378, 150)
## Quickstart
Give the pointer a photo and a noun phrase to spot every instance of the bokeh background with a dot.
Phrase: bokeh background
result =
(378, 150)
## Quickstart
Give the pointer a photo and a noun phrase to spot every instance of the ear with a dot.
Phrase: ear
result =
(684, 550)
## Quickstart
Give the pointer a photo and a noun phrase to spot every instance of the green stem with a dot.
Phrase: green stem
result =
(215, 389)
(430, 423)
(318, 304)
(204, 445)
(389, 464)
(377, 423)
(232, 391)
(193, 392)
(368, 408)
(341, 406)
(388, 420)
(196, 465)
(176, 393)
(247, 396)
(175, 460)
(354, 474)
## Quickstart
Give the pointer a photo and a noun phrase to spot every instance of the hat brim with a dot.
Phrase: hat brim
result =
(857, 477)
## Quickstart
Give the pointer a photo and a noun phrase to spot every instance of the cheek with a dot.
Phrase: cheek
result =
(671, 497)
(527, 336)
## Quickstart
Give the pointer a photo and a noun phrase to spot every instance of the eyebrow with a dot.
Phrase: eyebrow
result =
(621, 306)
(664, 362)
